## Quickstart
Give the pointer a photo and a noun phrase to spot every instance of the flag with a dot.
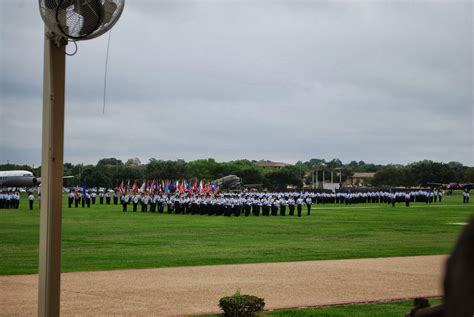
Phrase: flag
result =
(135, 186)
(152, 187)
(190, 187)
(84, 187)
(173, 186)
(213, 187)
(120, 188)
(167, 189)
(143, 188)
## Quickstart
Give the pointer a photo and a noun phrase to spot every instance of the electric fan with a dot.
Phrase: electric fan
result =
(80, 19)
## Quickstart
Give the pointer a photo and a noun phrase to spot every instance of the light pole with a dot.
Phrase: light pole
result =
(323, 166)
(339, 169)
(324, 177)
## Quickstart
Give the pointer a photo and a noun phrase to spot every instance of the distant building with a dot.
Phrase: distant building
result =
(271, 165)
(359, 179)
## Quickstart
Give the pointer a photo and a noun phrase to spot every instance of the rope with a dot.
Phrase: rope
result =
(105, 72)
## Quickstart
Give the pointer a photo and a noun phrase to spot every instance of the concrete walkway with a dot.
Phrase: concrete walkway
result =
(196, 290)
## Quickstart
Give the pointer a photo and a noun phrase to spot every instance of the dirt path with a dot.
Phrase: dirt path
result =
(194, 290)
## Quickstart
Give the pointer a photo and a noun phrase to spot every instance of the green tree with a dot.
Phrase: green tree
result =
(334, 163)
(204, 169)
(110, 162)
(390, 175)
(127, 173)
(468, 175)
(165, 169)
(426, 171)
(135, 161)
(95, 176)
(281, 179)
(7, 167)
(250, 175)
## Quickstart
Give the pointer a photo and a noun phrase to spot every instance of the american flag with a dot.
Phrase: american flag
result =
(135, 186)
(120, 188)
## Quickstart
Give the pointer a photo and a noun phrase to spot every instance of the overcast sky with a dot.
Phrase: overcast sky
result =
(379, 81)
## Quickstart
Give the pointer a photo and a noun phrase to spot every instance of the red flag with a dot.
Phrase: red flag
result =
(152, 187)
(143, 188)
(135, 186)
(120, 188)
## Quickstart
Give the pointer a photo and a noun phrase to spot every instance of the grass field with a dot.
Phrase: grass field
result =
(388, 309)
(391, 309)
(104, 238)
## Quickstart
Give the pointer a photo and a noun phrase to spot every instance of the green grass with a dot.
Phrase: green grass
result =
(387, 309)
(104, 238)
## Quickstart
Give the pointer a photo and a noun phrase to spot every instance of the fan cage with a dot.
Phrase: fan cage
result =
(80, 19)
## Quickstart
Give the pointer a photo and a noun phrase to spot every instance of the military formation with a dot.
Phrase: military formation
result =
(85, 198)
(232, 204)
(226, 204)
(264, 204)
(9, 200)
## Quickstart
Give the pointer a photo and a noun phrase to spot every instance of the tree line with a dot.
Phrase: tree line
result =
(108, 172)
(423, 172)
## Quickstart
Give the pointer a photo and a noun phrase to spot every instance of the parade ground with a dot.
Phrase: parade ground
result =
(151, 264)
(197, 289)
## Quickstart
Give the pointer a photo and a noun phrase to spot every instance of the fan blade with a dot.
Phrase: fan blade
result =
(92, 15)
(109, 9)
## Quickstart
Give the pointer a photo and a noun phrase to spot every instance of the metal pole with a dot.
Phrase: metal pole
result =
(49, 286)
(324, 176)
(317, 182)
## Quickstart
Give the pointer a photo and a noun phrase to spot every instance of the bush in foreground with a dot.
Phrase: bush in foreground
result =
(239, 305)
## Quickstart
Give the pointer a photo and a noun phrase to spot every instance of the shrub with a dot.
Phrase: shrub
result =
(239, 305)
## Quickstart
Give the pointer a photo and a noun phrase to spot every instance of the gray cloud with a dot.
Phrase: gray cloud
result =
(379, 81)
